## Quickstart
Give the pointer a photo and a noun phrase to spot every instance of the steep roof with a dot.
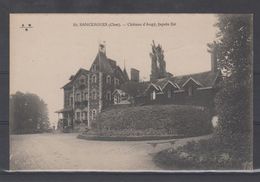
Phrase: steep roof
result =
(125, 74)
(103, 64)
(108, 66)
(121, 92)
(205, 79)
(72, 78)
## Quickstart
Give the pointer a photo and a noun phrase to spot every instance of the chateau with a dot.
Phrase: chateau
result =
(89, 92)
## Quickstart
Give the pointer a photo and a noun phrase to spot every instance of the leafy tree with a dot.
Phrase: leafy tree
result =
(133, 88)
(28, 114)
(234, 99)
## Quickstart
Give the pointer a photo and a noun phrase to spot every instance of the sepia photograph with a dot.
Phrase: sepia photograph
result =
(131, 92)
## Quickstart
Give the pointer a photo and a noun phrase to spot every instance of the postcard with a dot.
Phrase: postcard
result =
(131, 92)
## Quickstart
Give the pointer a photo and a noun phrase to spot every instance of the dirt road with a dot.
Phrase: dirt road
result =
(66, 152)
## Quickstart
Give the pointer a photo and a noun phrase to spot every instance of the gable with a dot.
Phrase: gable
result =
(102, 64)
(169, 84)
(79, 73)
(153, 87)
(205, 79)
(191, 82)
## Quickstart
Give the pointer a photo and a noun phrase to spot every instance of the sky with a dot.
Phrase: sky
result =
(43, 57)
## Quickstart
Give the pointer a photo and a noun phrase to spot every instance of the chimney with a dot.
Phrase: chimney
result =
(214, 65)
(134, 75)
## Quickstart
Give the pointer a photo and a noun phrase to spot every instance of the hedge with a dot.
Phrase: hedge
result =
(154, 120)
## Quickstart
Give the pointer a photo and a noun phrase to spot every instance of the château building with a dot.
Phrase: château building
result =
(88, 92)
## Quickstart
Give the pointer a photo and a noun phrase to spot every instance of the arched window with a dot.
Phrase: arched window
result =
(82, 80)
(94, 79)
(169, 93)
(116, 81)
(94, 112)
(108, 80)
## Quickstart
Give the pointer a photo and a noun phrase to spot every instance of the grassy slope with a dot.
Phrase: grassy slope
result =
(154, 120)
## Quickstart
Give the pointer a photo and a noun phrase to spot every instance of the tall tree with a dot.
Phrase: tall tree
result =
(28, 114)
(234, 99)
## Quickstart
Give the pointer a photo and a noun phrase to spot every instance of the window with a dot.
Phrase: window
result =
(78, 115)
(82, 80)
(153, 95)
(86, 95)
(85, 115)
(94, 95)
(82, 96)
(108, 80)
(169, 93)
(108, 95)
(78, 97)
(116, 81)
(94, 79)
(82, 115)
(94, 67)
(94, 114)
(190, 91)
(117, 99)
(71, 101)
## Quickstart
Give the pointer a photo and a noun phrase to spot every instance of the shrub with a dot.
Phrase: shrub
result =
(209, 154)
(155, 120)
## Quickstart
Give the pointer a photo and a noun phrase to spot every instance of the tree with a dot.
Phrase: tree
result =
(133, 88)
(28, 114)
(234, 99)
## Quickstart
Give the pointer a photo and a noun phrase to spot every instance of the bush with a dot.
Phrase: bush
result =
(155, 120)
(209, 154)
